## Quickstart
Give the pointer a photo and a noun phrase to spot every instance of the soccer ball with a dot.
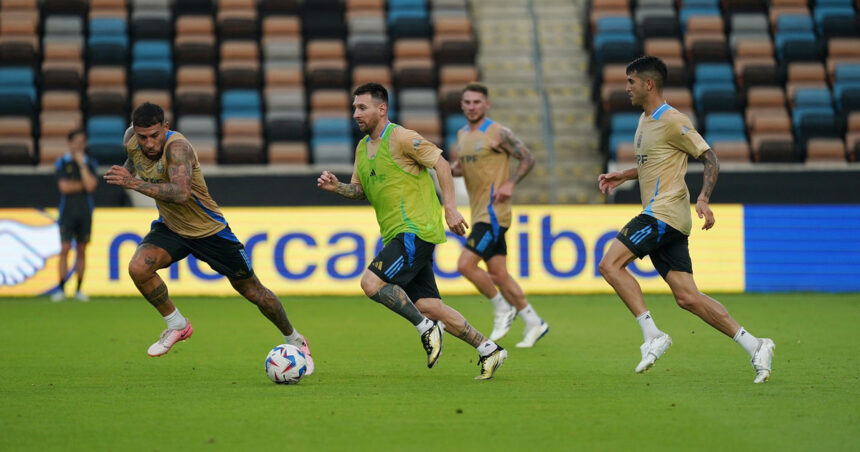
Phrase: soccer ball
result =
(286, 364)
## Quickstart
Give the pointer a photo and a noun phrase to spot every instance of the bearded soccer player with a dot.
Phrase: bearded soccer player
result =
(163, 165)
(485, 149)
(390, 171)
(663, 140)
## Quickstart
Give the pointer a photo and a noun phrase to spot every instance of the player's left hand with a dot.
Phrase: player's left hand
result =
(456, 223)
(504, 192)
(118, 175)
(704, 211)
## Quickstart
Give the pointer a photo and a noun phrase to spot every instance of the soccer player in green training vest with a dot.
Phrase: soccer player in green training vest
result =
(390, 171)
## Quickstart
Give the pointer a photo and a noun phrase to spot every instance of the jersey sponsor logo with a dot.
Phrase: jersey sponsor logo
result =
(469, 158)
(641, 159)
(416, 144)
(684, 129)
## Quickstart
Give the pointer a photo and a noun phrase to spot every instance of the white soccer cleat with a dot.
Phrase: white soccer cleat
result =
(652, 350)
(58, 296)
(432, 342)
(762, 360)
(502, 323)
(532, 334)
(80, 296)
(168, 338)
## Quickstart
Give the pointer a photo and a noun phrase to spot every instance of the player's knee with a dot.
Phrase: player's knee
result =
(606, 268)
(498, 276)
(139, 270)
(370, 283)
(686, 300)
(430, 307)
(465, 267)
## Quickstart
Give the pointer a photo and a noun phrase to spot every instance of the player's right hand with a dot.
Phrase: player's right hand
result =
(456, 223)
(327, 181)
(608, 181)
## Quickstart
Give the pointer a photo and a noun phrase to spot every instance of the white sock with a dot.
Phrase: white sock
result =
(425, 325)
(499, 303)
(649, 328)
(175, 321)
(529, 315)
(487, 347)
(749, 342)
(294, 339)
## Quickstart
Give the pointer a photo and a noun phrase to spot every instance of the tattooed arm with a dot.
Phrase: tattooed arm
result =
(712, 169)
(180, 159)
(328, 182)
(513, 146)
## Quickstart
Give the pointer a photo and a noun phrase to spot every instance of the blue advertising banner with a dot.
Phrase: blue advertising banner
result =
(802, 248)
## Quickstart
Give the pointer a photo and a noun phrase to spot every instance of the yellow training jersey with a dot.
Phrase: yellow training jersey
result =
(484, 170)
(663, 141)
(197, 217)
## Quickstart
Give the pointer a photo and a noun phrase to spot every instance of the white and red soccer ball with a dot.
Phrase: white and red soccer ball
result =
(286, 364)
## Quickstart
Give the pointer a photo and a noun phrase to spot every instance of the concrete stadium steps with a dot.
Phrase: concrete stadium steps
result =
(532, 56)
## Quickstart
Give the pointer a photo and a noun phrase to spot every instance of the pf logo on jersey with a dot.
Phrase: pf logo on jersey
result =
(641, 159)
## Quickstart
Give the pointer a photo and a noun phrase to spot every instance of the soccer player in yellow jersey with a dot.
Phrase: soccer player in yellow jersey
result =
(163, 165)
(485, 148)
(663, 140)
(391, 165)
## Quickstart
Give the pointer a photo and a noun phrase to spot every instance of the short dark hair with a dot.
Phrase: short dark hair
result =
(147, 115)
(375, 90)
(477, 87)
(651, 66)
(75, 132)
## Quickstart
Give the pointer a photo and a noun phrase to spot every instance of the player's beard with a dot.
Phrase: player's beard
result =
(479, 119)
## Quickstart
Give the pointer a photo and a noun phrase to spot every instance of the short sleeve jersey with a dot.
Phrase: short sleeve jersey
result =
(67, 168)
(663, 142)
(484, 170)
(197, 217)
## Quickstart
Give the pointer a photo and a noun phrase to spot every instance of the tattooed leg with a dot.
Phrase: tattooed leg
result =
(267, 302)
(391, 296)
(454, 322)
(142, 269)
(394, 297)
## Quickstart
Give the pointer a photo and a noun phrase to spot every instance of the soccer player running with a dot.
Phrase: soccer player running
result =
(485, 150)
(390, 171)
(163, 165)
(663, 140)
(76, 181)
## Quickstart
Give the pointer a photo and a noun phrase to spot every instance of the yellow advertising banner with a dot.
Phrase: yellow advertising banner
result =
(324, 250)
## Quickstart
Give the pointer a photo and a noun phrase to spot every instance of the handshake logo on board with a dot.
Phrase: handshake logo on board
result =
(24, 250)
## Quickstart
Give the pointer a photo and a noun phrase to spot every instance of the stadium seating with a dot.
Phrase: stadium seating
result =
(778, 79)
(238, 74)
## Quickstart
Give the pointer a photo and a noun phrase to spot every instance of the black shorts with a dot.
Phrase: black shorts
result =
(76, 224)
(485, 241)
(407, 261)
(222, 251)
(668, 247)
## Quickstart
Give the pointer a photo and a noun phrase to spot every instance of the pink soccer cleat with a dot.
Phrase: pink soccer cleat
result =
(307, 351)
(168, 338)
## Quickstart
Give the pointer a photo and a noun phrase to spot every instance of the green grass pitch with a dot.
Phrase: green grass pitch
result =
(75, 376)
